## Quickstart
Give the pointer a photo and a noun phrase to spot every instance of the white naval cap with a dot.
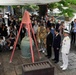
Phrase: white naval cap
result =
(66, 31)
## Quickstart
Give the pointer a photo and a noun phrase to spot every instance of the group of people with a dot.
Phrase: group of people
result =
(8, 33)
(53, 36)
(50, 36)
(57, 44)
(73, 31)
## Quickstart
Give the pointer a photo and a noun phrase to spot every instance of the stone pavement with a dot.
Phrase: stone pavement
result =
(72, 72)
(72, 63)
(72, 59)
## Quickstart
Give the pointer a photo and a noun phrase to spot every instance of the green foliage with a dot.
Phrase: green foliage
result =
(28, 7)
(64, 2)
(16, 6)
(35, 7)
(71, 1)
(67, 12)
(2, 6)
(60, 7)
(31, 7)
(53, 5)
(58, 4)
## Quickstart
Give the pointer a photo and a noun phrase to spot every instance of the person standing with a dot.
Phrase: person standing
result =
(62, 27)
(73, 34)
(56, 46)
(65, 49)
(35, 28)
(49, 41)
(52, 31)
(42, 37)
(58, 24)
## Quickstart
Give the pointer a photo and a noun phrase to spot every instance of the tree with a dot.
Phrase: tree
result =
(71, 2)
(66, 12)
(42, 10)
(60, 5)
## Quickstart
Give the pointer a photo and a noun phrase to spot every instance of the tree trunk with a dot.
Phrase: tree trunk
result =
(42, 10)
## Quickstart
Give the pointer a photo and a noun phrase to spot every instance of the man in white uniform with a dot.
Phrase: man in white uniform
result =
(65, 49)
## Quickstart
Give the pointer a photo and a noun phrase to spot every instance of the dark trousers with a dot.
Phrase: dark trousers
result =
(22, 35)
(56, 54)
(73, 35)
(49, 51)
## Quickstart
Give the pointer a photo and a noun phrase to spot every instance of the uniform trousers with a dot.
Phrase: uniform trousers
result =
(65, 60)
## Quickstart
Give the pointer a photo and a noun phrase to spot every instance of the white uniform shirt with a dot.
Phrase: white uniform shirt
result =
(35, 29)
(66, 45)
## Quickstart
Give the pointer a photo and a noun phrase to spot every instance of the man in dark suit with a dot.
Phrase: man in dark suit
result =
(49, 41)
(58, 24)
(56, 46)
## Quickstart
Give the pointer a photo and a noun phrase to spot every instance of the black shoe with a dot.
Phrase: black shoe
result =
(49, 57)
(53, 59)
(46, 55)
(56, 62)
